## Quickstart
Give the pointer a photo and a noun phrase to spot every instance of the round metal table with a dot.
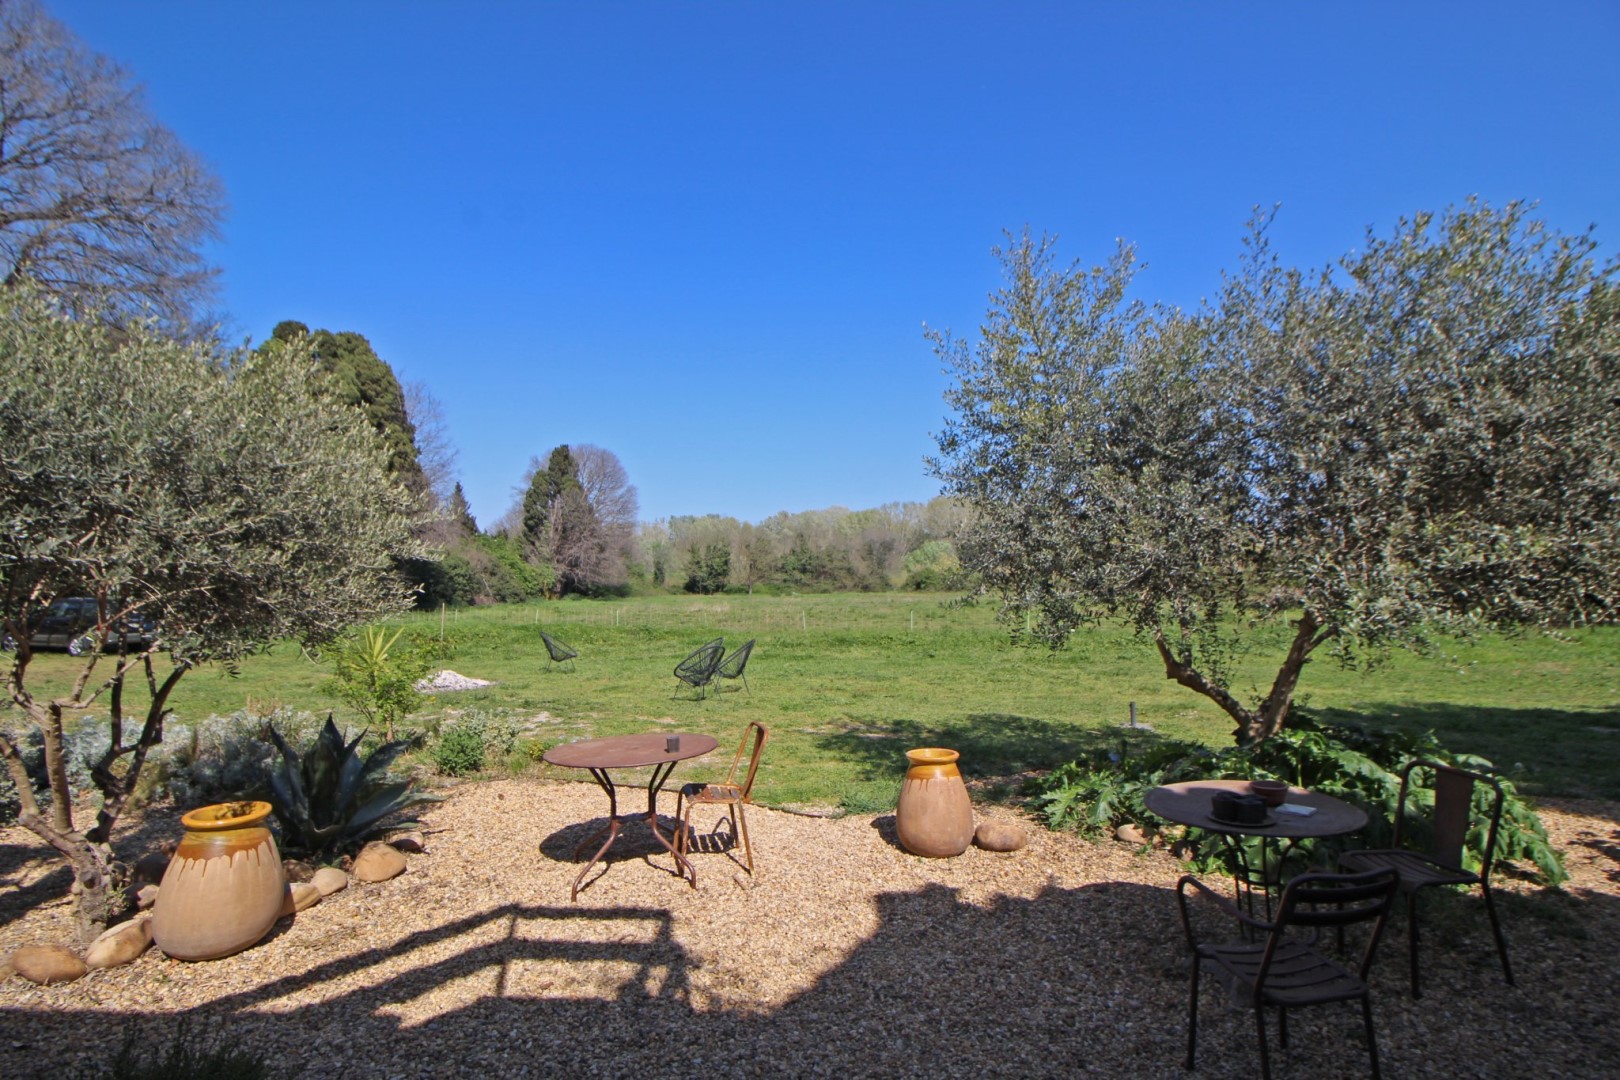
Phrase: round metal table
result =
(1190, 803)
(661, 750)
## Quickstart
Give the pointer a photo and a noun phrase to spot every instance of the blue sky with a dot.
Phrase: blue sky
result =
(707, 236)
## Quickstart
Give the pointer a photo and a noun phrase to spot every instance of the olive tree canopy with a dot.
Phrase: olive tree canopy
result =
(227, 497)
(1423, 438)
(102, 205)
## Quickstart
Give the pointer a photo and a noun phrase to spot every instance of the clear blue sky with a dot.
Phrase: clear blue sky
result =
(706, 236)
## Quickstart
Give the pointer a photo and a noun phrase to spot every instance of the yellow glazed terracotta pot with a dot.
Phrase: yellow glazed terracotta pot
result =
(935, 816)
(224, 887)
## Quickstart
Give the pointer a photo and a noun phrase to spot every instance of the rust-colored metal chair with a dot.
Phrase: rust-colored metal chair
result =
(1442, 864)
(1287, 972)
(731, 794)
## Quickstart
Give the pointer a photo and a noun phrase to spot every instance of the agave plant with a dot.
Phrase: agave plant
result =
(330, 799)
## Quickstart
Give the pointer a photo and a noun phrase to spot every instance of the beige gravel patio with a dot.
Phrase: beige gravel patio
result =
(843, 956)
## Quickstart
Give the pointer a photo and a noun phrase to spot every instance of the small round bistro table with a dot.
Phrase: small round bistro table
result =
(659, 749)
(1191, 803)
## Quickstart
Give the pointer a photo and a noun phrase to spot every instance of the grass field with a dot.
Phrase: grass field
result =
(848, 682)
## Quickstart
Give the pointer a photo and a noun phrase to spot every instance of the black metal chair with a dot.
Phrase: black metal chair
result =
(732, 666)
(559, 652)
(698, 669)
(1287, 972)
(1442, 865)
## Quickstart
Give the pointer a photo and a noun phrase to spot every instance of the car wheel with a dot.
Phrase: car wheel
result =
(81, 645)
(8, 643)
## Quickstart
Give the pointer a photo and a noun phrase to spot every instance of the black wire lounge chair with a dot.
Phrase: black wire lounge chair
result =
(698, 669)
(732, 666)
(560, 652)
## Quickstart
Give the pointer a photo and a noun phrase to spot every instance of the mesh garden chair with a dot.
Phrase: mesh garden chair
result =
(729, 793)
(559, 652)
(1454, 817)
(1287, 972)
(698, 669)
(732, 666)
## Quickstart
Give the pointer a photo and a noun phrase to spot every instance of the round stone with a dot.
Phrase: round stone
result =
(995, 835)
(46, 964)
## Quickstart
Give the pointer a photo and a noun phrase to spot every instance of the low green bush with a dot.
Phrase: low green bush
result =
(1106, 788)
(467, 741)
(459, 751)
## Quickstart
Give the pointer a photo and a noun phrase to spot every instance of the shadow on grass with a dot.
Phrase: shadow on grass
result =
(1547, 751)
(992, 745)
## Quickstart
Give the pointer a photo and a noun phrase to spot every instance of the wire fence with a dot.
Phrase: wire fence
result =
(884, 612)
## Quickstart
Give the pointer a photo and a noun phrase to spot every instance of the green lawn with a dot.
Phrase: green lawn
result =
(847, 682)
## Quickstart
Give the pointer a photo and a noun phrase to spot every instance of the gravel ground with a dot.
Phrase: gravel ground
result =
(842, 956)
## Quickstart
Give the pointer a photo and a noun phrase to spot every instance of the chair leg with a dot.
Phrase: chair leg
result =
(1282, 1027)
(1192, 1014)
(739, 823)
(1265, 1052)
(1372, 1040)
(1496, 928)
(1412, 939)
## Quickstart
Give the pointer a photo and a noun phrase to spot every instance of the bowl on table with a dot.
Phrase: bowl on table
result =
(1273, 791)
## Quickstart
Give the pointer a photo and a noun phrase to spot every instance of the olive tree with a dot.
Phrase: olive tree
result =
(1423, 438)
(102, 204)
(227, 497)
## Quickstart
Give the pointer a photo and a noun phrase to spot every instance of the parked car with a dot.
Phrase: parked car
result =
(68, 622)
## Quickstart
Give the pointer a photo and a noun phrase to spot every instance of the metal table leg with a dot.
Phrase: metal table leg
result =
(660, 773)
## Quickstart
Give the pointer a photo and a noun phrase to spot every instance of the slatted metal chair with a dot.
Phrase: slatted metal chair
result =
(1454, 817)
(732, 666)
(698, 669)
(1287, 972)
(732, 793)
(559, 652)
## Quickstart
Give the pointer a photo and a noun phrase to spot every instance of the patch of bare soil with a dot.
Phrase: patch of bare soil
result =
(841, 956)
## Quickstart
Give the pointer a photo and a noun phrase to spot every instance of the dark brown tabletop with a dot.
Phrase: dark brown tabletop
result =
(1189, 804)
(630, 751)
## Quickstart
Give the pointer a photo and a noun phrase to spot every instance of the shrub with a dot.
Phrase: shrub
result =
(469, 740)
(460, 751)
(1105, 789)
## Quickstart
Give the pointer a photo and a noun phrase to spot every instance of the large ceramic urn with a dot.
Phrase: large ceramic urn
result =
(224, 887)
(935, 816)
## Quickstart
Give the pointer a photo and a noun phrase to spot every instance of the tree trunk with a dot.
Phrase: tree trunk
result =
(1253, 725)
(97, 879)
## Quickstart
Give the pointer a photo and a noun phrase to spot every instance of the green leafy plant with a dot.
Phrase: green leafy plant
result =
(377, 673)
(1105, 789)
(329, 798)
(460, 750)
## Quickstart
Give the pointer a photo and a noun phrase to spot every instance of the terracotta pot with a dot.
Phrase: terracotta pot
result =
(224, 887)
(935, 816)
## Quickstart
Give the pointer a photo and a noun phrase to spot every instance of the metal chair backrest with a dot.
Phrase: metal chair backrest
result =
(557, 649)
(1453, 812)
(700, 665)
(732, 666)
(760, 735)
(1334, 900)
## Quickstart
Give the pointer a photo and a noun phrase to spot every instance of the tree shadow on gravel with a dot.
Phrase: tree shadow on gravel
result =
(1086, 979)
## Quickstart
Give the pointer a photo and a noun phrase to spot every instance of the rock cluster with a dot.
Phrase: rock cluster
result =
(449, 680)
